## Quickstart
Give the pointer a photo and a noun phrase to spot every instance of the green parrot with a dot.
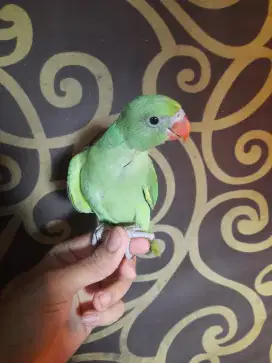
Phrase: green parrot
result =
(115, 177)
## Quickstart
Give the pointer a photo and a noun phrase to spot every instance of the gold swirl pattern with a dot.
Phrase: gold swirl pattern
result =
(264, 288)
(255, 222)
(256, 48)
(242, 206)
(184, 76)
(214, 4)
(71, 87)
(8, 234)
(21, 30)
(209, 341)
(15, 171)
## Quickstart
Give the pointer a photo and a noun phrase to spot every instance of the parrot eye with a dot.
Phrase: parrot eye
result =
(154, 120)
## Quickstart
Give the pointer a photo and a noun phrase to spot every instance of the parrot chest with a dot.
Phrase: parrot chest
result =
(115, 191)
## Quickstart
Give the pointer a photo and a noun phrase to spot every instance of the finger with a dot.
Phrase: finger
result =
(127, 269)
(72, 250)
(107, 317)
(64, 254)
(102, 263)
(80, 247)
(139, 246)
(114, 292)
(105, 299)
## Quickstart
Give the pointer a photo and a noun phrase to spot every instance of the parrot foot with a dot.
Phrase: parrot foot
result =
(97, 236)
(132, 231)
(136, 232)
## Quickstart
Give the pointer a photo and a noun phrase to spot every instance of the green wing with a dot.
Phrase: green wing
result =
(73, 183)
(150, 189)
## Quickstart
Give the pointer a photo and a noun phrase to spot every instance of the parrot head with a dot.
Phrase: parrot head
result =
(151, 120)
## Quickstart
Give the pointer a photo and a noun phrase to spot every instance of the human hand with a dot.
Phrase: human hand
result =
(46, 313)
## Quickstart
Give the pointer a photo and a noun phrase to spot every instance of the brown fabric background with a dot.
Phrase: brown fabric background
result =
(66, 69)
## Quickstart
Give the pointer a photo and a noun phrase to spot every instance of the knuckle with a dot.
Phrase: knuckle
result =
(112, 315)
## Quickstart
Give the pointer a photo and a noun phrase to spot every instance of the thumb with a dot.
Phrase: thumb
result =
(100, 264)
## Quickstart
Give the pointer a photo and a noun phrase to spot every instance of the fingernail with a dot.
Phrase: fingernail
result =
(104, 299)
(113, 242)
(90, 319)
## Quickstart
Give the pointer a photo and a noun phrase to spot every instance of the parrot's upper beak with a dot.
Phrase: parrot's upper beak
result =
(179, 127)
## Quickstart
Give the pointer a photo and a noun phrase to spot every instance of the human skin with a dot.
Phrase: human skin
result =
(47, 312)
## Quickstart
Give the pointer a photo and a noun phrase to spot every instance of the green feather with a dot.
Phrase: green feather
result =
(151, 187)
(155, 249)
(73, 183)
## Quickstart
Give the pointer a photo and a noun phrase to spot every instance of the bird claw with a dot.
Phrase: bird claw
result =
(97, 235)
(133, 232)
(136, 232)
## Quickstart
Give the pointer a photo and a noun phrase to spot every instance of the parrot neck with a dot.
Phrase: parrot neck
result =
(112, 138)
(113, 145)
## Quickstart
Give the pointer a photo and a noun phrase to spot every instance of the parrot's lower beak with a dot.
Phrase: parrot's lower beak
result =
(180, 127)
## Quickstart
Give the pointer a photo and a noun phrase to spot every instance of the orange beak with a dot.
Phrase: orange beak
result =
(180, 129)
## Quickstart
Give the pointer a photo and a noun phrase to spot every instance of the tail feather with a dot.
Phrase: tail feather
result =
(73, 183)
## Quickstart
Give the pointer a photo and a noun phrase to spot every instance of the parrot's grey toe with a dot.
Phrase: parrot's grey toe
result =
(128, 254)
(94, 240)
(148, 236)
(97, 235)
(135, 232)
